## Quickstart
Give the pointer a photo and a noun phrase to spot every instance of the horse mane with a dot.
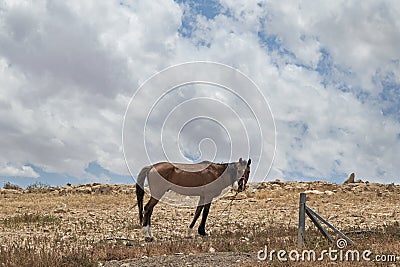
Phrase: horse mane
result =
(215, 163)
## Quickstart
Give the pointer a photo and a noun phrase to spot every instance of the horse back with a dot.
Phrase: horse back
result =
(190, 175)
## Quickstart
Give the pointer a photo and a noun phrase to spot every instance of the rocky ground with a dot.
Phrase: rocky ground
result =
(87, 215)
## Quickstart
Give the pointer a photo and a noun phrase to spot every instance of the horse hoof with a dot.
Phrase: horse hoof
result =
(202, 232)
(149, 239)
(190, 233)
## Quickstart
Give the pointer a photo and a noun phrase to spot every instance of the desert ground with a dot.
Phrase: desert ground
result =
(97, 225)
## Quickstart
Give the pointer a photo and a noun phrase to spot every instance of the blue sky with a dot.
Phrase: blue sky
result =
(330, 72)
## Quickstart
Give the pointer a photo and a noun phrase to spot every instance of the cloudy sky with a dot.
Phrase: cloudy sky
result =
(330, 72)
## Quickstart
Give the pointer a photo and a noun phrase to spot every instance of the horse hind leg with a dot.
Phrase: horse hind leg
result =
(202, 226)
(148, 210)
(196, 216)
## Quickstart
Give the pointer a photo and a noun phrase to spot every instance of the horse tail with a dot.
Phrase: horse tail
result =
(140, 190)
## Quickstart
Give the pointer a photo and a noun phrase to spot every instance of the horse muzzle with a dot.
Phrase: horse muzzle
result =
(241, 185)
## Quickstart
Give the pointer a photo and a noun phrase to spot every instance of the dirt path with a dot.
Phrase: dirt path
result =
(193, 260)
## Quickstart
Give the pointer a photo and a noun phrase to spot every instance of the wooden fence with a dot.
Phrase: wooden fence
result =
(316, 219)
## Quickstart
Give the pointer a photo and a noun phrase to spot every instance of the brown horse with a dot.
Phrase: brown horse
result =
(205, 179)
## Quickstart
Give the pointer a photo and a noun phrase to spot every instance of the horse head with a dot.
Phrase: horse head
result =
(244, 173)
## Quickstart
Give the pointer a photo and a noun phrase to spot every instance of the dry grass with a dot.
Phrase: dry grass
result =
(48, 252)
(29, 218)
(39, 229)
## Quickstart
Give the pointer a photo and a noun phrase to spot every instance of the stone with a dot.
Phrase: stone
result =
(316, 192)
(350, 180)
(329, 193)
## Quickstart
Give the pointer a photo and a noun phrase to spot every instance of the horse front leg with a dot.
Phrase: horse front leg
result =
(202, 226)
(148, 210)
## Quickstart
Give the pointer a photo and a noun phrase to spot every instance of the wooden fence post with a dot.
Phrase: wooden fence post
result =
(302, 221)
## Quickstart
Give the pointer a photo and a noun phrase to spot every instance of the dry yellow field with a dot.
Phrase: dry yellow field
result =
(96, 225)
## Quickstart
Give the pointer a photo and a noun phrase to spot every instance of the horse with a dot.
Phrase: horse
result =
(204, 179)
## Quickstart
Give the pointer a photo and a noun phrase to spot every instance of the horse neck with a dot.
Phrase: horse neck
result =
(231, 170)
(223, 173)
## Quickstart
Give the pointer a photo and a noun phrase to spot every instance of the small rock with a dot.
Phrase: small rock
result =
(101, 189)
(329, 193)
(211, 250)
(84, 190)
(245, 239)
(316, 192)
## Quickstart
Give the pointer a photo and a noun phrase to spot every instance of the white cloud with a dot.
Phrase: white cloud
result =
(20, 171)
(362, 37)
(68, 70)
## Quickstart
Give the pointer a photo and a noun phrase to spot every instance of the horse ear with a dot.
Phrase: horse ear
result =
(249, 162)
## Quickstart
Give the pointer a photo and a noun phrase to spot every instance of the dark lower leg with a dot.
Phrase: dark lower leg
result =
(196, 215)
(148, 210)
(202, 227)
